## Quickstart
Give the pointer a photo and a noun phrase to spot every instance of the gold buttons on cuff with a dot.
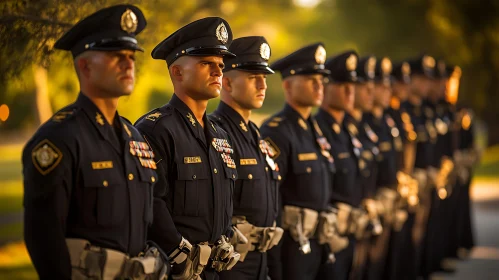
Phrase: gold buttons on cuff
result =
(309, 169)
(130, 176)
(194, 177)
(153, 179)
(105, 183)
(266, 168)
(215, 171)
(250, 176)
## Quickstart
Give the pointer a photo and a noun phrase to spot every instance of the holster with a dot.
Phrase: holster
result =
(386, 199)
(223, 256)
(195, 263)
(301, 224)
(359, 223)
(248, 237)
(343, 216)
(372, 212)
(93, 262)
(327, 234)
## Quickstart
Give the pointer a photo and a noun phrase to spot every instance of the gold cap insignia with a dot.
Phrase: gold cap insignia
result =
(46, 156)
(406, 68)
(129, 21)
(370, 66)
(265, 51)
(320, 55)
(222, 34)
(386, 65)
(428, 62)
(351, 62)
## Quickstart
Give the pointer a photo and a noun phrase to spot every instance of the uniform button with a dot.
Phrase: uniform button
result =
(215, 171)
(130, 176)
(105, 183)
(153, 179)
(250, 176)
(194, 177)
(266, 168)
(279, 178)
(309, 169)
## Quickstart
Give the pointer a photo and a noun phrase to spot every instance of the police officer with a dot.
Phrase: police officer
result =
(347, 195)
(401, 250)
(88, 173)
(356, 125)
(305, 163)
(256, 190)
(423, 139)
(195, 159)
(389, 141)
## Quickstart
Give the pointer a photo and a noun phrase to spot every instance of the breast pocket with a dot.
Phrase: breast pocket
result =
(231, 176)
(252, 186)
(191, 185)
(309, 178)
(105, 196)
(145, 190)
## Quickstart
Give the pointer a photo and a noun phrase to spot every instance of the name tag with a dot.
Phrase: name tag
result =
(192, 160)
(343, 155)
(102, 164)
(307, 156)
(248, 161)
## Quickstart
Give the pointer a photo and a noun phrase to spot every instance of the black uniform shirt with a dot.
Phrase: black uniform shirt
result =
(84, 178)
(345, 185)
(256, 191)
(197, 173)
(301, 154)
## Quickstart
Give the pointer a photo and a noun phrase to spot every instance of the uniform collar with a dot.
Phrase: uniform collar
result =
(296, 118)
(236, 119)
(191, 120)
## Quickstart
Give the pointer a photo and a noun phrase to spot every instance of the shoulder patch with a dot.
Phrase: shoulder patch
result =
(273, 148)
(46, 156)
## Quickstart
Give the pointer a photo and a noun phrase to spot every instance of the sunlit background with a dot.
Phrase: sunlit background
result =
(36, 81)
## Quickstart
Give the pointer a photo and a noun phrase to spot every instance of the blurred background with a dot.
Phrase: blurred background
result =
(36, 81)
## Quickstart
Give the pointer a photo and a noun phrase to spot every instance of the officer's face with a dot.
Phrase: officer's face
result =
(401, 90)
(247, 89)
(364, 96)
(420, 86)
(112, 73)
(340, 96)
(201, 76)
(306, 90)
(382, 95)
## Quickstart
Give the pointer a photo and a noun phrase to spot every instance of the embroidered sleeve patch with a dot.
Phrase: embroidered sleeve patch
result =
(46, 156)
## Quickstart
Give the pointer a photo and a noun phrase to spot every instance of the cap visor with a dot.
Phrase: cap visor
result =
(253, 69)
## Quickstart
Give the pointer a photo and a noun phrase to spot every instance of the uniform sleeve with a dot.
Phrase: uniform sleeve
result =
(48, 176)
(163, 231)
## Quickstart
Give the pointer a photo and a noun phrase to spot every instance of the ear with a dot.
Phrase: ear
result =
(82, 64)
(176, 72)
(227, 83)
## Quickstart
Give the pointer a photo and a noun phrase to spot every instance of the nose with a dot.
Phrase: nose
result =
(217, 71)
(262, 83)
(128, 63)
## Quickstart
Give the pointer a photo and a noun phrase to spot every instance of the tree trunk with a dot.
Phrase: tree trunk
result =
(43, 108)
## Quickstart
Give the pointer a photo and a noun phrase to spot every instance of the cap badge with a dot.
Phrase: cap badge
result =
(351, 62)
(222, 34)
(428, 62)
(265, 51)
(406, 68)
(320, 55)
(370, 66)
(129, 21)
(386, 66)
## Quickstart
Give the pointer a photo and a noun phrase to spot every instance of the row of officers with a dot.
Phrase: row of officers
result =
(375, 185)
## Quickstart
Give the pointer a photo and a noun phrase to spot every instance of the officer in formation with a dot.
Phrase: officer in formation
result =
(257, 191)
(374, 186)
(88, 173)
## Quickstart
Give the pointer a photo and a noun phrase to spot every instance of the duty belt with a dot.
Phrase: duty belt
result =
(92, 262)
(248, 238)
